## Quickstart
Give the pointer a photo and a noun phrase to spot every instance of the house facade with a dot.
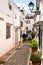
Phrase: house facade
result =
(9, 25)
(6, 26)
(18, 24)
(39, 20)
(29, 19)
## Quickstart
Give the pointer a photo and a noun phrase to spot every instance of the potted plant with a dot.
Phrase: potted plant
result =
(37, 10)
(36, 58)
(33, 34)
(34, 45)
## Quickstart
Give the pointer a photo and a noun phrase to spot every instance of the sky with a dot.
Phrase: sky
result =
(24, 4)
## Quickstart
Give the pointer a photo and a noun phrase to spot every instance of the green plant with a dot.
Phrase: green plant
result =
(36, 57)
(37, 9)
(34, 43)
(33, 33)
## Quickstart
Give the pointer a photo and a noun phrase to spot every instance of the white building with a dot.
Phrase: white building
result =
(18, 23)
(6, 26)
(9, 25)
(29, 21)
(39, 20)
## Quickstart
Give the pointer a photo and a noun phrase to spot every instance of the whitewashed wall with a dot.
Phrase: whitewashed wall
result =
(5, 44)
(17, 21)
(30, 25)
(41, 20)
(17, 15)
(9, 17)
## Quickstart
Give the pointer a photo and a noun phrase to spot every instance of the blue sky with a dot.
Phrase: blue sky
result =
(24, 4)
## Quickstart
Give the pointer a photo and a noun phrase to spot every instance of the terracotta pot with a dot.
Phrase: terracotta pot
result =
(39, 63)
(34, 50)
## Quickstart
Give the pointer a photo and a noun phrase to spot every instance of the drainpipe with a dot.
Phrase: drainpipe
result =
(13, 19)
(39, 37)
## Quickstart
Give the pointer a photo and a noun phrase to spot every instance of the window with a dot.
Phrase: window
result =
(21, 23)
(10, 7)
(28, 22)
(26, 28)
(8, 27)
(15, 16)
(20, 33)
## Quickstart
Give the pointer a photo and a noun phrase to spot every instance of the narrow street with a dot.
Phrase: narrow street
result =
(20, 57)
(21, 23)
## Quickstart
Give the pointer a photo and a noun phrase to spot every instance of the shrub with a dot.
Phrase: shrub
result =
(33, 34)
(34, 43)
(36, 57)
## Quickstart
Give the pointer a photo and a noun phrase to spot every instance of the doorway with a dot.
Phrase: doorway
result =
(16, 36)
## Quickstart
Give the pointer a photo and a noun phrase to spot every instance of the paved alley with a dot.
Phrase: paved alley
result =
(20, 57)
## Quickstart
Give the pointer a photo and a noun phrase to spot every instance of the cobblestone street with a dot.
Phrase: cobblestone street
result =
(20, 57)
(21, 32)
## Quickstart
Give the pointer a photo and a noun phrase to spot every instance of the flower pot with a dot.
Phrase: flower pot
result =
(36, 58)
(38, 63)
(34, 50)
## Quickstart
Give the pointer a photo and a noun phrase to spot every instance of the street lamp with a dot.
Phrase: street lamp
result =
(31, 6)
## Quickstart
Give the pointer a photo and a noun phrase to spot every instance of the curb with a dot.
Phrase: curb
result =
(14, 52)
(28, 62)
